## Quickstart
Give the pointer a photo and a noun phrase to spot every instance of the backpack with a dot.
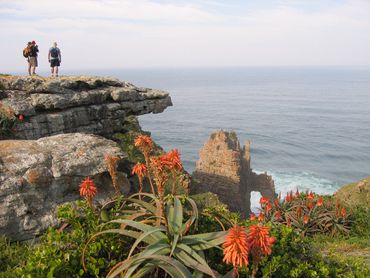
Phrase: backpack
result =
(54, 52)
(26, 52)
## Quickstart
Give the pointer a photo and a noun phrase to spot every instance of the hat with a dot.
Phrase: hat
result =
(29, 43)
(33, 42)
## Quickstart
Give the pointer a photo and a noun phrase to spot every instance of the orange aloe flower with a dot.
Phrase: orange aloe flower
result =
(261, 217)
(268, 207)
(140, 170)
(299, 211)
(21, 117)
(159, 166)
(306, 219)
(172, 162)
(310, 196)
(278, 215)
(289, 197)
(111, 162)
(252, 216)
(264, 200)
(309, 203)
(276, 203)
(144, 143)
(88, 189)
(343, 212)
(236, 247)
(320, 201)
(260, 242)
(297, 193)
(172, 159)
(288, 222)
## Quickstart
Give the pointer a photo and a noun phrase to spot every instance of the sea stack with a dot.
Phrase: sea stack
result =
(225, 169)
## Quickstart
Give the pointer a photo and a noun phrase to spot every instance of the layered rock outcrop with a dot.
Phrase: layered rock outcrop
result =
(87, 104)
(62, 120)
(37, 175)
(225, 169)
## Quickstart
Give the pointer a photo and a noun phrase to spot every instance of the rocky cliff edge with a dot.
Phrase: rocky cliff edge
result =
(86, 104)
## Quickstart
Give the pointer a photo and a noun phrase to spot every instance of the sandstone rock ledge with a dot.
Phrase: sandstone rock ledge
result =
(87, 104)
(36, 176)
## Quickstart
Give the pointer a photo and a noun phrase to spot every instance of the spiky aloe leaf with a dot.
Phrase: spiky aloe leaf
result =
(204, 241)
(193, 260)
(142, 203)
(132, 234)
(192, 239)
(175, 216)
(194, 217)
(169, 265)
(159, 248)
(144, 270)
(140, 226)
(145, 235)
(133, 216)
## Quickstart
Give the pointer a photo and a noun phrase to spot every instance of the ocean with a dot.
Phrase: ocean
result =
(309, 126)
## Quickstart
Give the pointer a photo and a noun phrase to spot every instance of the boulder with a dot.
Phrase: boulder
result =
(37, 175)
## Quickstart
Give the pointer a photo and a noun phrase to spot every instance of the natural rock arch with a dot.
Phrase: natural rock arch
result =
(225, 169)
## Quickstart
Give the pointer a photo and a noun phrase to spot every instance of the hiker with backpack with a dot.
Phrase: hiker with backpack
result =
(32, 58)
(30, 52)
(55, 58)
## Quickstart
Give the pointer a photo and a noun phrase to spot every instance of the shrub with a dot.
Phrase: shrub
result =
(12, 255)
(7, 119)
(307, 213)
(294, 256)
(59, 252)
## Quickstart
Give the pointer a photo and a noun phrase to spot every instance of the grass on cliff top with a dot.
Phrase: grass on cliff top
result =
(355, 194)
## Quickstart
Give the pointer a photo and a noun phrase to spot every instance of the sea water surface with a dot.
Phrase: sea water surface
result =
(309, 127)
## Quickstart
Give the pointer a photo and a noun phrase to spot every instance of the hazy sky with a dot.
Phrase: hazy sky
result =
(150, 33)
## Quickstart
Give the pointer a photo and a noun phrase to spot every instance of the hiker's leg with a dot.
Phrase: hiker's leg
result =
(29, 68)
(56, 70)
(34, 65)
(52, 71)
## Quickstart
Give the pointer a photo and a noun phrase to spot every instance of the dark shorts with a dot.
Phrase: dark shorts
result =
(54, 63)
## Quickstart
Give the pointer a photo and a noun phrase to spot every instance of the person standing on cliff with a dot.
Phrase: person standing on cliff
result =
(55, 58)
(32, 59)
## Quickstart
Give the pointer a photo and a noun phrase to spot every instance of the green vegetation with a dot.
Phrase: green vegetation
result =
(7, 120)
(166, 231)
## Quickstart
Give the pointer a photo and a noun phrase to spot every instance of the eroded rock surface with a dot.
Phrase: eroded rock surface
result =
(87, 104)
(37, 175)
(225, 169)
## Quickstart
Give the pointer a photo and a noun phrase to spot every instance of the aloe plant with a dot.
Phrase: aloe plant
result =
(307, 213)
(168, 246)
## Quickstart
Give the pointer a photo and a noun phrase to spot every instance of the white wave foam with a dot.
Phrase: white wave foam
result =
(291, 181)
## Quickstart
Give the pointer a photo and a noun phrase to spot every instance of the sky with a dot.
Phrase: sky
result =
(114, 34)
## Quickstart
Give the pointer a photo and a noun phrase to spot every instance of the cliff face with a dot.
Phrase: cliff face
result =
(224, 169)
(62, 121)
(87, 104)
